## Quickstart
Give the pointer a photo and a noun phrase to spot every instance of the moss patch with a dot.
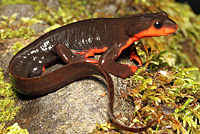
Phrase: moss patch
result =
(10, 28)
(8, 108)
(15, 129)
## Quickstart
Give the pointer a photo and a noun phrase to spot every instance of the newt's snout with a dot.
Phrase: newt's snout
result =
(170, 26)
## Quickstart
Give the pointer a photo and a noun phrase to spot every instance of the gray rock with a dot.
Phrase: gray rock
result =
(39, 27)
(21, 9)
(109, 9)
(112, 8)
(54, 4)
(75, 108)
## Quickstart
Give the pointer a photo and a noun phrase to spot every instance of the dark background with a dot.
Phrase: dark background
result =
(195, 5)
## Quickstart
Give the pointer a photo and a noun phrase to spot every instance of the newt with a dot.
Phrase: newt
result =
(75, 43)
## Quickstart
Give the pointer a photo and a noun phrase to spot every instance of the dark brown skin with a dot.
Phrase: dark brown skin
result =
(74, 43)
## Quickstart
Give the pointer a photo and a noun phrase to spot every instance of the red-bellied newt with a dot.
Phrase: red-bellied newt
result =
(75, 43)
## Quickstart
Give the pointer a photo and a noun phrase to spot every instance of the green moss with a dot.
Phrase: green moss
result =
(9, 29)
(167, 89)
(37, 5)
(69, 11)
(8, 108)
(13, 2)
(104, 128)
(17, 47)
(15, 129)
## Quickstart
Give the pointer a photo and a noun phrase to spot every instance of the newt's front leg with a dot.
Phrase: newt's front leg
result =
(107, 62)
(68, 56)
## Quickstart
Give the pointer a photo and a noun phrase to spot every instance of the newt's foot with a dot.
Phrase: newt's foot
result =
(134, 56)
(133, 68)
(91, 60)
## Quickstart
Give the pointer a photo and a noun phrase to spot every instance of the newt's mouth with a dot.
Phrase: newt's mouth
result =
(171, 30)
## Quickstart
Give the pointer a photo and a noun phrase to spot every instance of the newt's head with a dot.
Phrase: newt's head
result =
(154, 24)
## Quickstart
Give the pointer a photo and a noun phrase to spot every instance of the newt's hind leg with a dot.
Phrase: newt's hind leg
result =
(68, 56)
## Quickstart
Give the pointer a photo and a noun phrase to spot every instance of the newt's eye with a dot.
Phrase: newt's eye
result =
(158, 24)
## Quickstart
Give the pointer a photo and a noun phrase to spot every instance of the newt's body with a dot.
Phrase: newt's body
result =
(78, 41)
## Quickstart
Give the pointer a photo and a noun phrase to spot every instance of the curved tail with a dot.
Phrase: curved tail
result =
(44, 84)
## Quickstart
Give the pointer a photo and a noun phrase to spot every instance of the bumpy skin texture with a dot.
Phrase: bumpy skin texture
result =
(74, 43)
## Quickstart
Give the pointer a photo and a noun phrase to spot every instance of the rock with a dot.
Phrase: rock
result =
(112, 8)
(21, 9)
(109, 9)
(75, 108)
(39, 27)
(118, 2)
(54, 4)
